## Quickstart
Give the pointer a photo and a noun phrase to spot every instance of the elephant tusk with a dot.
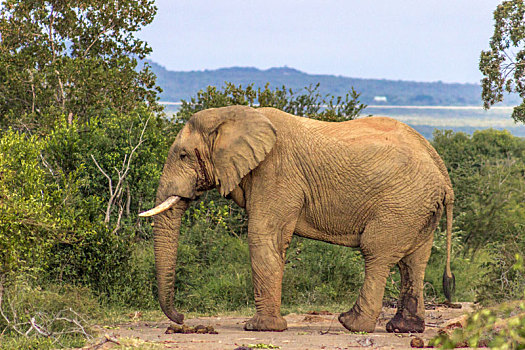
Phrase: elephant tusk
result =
(168, 203)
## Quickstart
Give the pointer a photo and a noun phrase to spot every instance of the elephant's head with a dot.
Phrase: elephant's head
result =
(216, 148)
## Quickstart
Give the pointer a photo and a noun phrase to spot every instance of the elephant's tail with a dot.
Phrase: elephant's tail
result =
(449, 280)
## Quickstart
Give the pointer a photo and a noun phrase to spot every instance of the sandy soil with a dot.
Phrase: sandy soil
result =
(305, 331)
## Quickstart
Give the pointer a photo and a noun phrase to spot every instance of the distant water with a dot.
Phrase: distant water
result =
(466, 119)
(427, 118)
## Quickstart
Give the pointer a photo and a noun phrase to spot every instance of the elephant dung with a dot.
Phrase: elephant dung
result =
(185, 329)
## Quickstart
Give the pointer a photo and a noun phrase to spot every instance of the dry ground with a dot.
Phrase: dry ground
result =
(305, 331)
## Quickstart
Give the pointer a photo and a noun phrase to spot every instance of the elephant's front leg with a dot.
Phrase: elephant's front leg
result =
(267, 252)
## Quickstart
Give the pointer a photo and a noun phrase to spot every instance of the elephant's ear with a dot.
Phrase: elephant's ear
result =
(239, 143)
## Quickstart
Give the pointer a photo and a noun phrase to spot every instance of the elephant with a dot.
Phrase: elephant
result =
(373, 183)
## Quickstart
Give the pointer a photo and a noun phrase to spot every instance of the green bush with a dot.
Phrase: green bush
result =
(108, 142)
(503, 281)
(54, 200)
(213, 266)
(39, 205)
(487, 171)
(309, 103)
(468, 270)
(319, 273)
(498, 327)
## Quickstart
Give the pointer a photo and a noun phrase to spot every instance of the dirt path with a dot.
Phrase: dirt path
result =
(305, 331)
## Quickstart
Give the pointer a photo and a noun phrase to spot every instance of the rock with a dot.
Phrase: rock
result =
(417, 342)
(458, 322)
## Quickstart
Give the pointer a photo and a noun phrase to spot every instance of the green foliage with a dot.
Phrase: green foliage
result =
(487, 171)
(213, 267)
(107, 260)
(38, 208)
(15, 343)
(110, 142)
(73, 58)
(503, 65)
(499, 327)
(495, 328)
(317, 273)
(311, 103)
(504, 279)
(54, 199)
(468, 269)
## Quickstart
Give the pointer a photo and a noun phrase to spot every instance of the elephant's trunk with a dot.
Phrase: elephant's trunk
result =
(166, 240)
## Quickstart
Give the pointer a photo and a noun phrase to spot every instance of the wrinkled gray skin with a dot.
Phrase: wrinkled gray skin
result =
(372, 183)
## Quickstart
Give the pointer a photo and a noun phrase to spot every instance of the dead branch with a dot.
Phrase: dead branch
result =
(115, 193)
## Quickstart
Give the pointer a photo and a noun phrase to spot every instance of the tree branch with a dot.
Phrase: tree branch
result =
(122, 173)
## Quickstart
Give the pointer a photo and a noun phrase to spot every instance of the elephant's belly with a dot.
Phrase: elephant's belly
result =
(306, 229)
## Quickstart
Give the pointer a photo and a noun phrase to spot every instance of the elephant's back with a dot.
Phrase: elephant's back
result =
(388, 133)
(368, 136)
(371, 129)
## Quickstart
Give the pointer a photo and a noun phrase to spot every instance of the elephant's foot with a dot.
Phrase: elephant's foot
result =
(406, 320)
(402, 323)
(357, 322)
(266, 323)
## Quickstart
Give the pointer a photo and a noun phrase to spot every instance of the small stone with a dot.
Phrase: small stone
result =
(417, 342)
(365, 342)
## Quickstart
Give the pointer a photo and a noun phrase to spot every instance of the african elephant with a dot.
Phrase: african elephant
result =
(372, 183)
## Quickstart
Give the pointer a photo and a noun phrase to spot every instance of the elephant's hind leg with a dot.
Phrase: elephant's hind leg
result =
(410, 315)
(380, 257)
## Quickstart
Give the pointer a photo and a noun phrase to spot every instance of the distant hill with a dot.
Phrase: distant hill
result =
(183, 85)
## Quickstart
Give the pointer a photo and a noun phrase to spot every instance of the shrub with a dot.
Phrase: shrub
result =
(319, 273)
(45, 317)
(504, 280)
(468, 270)
(37, 208)
(487, 171)
(499, 327)
(213, 266)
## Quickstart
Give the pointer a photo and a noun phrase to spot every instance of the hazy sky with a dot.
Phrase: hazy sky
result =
(423, 40)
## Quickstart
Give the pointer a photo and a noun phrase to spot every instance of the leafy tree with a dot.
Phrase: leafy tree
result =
(72, 58)
(487, 171)
(129, 149)
(503, 65)
(39, 206)
(309, 103)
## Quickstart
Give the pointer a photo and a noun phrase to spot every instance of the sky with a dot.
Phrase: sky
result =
(419, 40)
